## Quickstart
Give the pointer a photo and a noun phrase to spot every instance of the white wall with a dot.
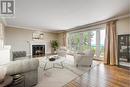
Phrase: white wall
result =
(123, 26)
(19, 38)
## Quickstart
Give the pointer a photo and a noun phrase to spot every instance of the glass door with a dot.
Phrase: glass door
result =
(97, 43)
(93, 42)
(102, 43)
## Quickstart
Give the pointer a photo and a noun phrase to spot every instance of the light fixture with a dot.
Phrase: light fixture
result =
(5, 55)
(4, 59)
(41, 36)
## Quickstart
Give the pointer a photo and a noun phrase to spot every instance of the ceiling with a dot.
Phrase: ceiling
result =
(64, 14)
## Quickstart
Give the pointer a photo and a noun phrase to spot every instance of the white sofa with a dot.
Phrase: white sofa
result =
(84, 58)
(26, 67)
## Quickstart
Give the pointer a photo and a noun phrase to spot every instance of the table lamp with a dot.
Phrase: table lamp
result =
(4, 59)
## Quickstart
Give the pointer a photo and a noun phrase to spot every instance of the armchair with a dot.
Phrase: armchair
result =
(84, 59)
(62, 52)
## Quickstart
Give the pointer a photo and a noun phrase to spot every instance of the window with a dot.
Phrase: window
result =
(81, 41)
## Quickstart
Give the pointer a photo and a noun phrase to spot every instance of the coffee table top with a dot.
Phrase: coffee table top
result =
(56, 57)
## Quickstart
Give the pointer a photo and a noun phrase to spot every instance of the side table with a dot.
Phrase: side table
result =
(7, 81)
(18, 81)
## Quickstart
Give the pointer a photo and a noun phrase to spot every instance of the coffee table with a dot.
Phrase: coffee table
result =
(57, 60)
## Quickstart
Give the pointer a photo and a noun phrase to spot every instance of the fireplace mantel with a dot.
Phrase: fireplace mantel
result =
(37, 42)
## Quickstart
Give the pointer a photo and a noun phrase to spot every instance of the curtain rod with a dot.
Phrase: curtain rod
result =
(97, 23)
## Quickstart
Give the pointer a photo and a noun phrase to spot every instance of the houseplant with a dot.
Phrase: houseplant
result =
(54, 45)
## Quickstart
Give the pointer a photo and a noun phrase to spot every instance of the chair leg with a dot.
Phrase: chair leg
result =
(45, 66)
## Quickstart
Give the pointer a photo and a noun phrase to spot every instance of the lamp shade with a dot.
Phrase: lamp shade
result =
(4, 59)
(5, 55)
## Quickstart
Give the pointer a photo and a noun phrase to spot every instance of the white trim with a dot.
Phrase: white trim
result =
(37, 29)
(102, 26)
(28, 28)
(98, 23)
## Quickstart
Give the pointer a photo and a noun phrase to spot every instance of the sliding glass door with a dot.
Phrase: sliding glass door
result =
(98, 43)
(94, 39)
(102, 43)
(93, 43)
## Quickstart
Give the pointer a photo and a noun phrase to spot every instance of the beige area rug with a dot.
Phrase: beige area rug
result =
(59, 77)
(55, 78)
(69, 64)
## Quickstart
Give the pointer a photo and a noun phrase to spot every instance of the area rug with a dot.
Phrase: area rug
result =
(69, 64)
(55, 77)
(59, 77)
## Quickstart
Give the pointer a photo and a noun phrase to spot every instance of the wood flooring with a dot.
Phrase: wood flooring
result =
(103, 76)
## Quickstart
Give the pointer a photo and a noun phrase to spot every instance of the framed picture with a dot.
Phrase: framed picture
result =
(37, 35)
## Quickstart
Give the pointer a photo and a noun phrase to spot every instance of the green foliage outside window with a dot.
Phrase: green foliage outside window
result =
(79, 41)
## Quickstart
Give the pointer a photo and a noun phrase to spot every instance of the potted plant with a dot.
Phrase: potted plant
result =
(54, 45)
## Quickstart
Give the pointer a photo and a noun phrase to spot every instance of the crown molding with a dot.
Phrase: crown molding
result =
(68, 30)
(98, 23)
(37, 29)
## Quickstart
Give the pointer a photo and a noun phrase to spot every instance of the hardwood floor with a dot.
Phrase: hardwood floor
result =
(103, 76)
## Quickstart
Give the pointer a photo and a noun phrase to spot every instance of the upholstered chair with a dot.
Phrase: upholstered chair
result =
(84, 58)
(62, 51)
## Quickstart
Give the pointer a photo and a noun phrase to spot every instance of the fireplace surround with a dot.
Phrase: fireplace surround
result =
(38, 50)
(46, 45)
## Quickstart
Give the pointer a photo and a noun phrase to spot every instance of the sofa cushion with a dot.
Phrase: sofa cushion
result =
(22, 66)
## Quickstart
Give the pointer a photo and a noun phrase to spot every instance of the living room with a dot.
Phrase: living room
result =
(64, 44)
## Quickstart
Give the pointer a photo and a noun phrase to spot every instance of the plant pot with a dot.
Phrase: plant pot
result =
(55, 51)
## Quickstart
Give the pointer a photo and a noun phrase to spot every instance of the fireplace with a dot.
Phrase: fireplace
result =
(38, 50)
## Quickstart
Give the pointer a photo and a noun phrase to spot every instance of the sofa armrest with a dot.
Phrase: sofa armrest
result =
(22, 66)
